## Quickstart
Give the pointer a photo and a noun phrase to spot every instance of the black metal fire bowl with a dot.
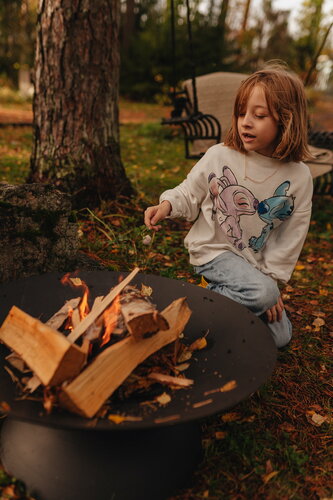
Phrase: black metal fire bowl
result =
(129, 461)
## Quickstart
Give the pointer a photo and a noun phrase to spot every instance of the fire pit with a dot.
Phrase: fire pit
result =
(63, 456)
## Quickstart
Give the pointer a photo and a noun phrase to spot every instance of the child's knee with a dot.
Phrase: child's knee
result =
(267, 294)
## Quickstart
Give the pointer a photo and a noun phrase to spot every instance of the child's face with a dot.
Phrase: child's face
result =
(257, 127)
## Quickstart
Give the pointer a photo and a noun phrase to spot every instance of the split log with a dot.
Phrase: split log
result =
(141, 317)
(88, 392)
(93, 315)
(46, 351)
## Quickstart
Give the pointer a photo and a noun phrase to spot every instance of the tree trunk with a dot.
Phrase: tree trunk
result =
(76, 100)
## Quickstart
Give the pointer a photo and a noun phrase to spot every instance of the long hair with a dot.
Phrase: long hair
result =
(286, 99)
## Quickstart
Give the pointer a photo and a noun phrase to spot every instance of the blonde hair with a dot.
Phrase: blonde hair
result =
(286, 99)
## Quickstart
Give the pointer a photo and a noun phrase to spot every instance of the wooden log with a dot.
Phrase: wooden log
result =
(46, 351)
(141, 317)
(93, 315)
(87, 392)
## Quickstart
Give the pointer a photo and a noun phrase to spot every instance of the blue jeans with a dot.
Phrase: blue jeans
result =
(233, 277)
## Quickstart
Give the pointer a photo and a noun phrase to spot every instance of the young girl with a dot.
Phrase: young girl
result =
(250, 199)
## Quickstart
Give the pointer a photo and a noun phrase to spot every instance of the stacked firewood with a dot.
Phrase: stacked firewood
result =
(85, 355)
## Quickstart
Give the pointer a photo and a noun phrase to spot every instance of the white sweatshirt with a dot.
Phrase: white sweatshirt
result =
(255, 206)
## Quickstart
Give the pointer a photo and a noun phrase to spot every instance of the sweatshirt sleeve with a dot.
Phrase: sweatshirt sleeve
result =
(286, 241)
(187, 197)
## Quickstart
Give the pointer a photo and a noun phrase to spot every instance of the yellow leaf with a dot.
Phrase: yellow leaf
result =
(268, 477)
(229, 386)
(198, 344)
(318, 322)
(230, 417)
(116, 419)
(76, 281)
(323, 291)
(299, 267)
(163, 399)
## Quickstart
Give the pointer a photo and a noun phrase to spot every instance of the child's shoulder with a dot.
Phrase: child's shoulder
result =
(222, 151)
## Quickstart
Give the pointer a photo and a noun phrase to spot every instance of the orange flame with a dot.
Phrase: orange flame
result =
(83, 305)
(110, 318)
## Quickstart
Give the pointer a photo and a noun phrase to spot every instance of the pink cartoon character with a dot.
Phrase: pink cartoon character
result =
(232, 201)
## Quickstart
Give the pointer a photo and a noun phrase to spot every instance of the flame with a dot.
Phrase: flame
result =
(110, 318)
(83, 306)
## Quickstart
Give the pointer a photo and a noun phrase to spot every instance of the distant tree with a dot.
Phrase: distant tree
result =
(311, 26)
(17, 36)
(76, 145)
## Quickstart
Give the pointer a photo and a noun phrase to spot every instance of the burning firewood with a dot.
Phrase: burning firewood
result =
(88, 392)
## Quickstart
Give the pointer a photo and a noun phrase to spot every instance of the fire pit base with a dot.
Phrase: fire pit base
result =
(72, 464)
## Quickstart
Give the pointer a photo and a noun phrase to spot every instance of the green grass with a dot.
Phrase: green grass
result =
(269, 446)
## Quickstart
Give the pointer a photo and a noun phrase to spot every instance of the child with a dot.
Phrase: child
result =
(250, 199)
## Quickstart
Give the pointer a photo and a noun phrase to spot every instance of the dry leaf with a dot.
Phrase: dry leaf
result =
(163, 399)
(317, 323)
(116, 419)
(315, 418)
(4, 408)
(146, 290)
(182, 367)
(299, 267)
(230, 417)
(323, 291)
(76, 281)
(185, 355)
(220, 435)
(268, 477)
(198, 344)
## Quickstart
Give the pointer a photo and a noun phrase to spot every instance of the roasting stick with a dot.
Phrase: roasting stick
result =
(93, 315)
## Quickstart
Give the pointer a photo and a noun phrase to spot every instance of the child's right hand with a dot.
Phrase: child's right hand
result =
(156, 213)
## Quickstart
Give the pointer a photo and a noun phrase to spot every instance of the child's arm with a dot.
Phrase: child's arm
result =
(156, 213)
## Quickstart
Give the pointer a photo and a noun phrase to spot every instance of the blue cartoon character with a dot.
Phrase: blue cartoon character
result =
(230, 201)
(279, 207)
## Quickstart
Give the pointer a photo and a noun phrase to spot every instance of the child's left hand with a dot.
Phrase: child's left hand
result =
(275, 312)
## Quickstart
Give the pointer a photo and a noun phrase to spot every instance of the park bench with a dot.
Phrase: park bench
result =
(215, 94)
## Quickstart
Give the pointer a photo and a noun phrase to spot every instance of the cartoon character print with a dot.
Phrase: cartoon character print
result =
(279, 207)
(231, 200)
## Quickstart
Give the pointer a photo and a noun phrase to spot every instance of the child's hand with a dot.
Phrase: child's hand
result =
(275, 312)
(156, 213)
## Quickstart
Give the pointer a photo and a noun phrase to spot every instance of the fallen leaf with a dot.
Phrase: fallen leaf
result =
(182, 367)
(230, 417)
(323, 291)
(116, 419)
(299, 267)
(315, 418)
(76, 281)
(317, 323)
(163, 399)
(229, 386)
(198, 344)
(268, 477)
(220, 434)
(4, 408)
(184, 356)
(146, 290)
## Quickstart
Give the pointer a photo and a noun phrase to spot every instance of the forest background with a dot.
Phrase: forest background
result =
(228, 35)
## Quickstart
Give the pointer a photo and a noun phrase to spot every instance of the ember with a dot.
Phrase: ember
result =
(124, 323)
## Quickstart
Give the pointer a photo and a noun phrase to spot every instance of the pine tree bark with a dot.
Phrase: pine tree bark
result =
(75, 105)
